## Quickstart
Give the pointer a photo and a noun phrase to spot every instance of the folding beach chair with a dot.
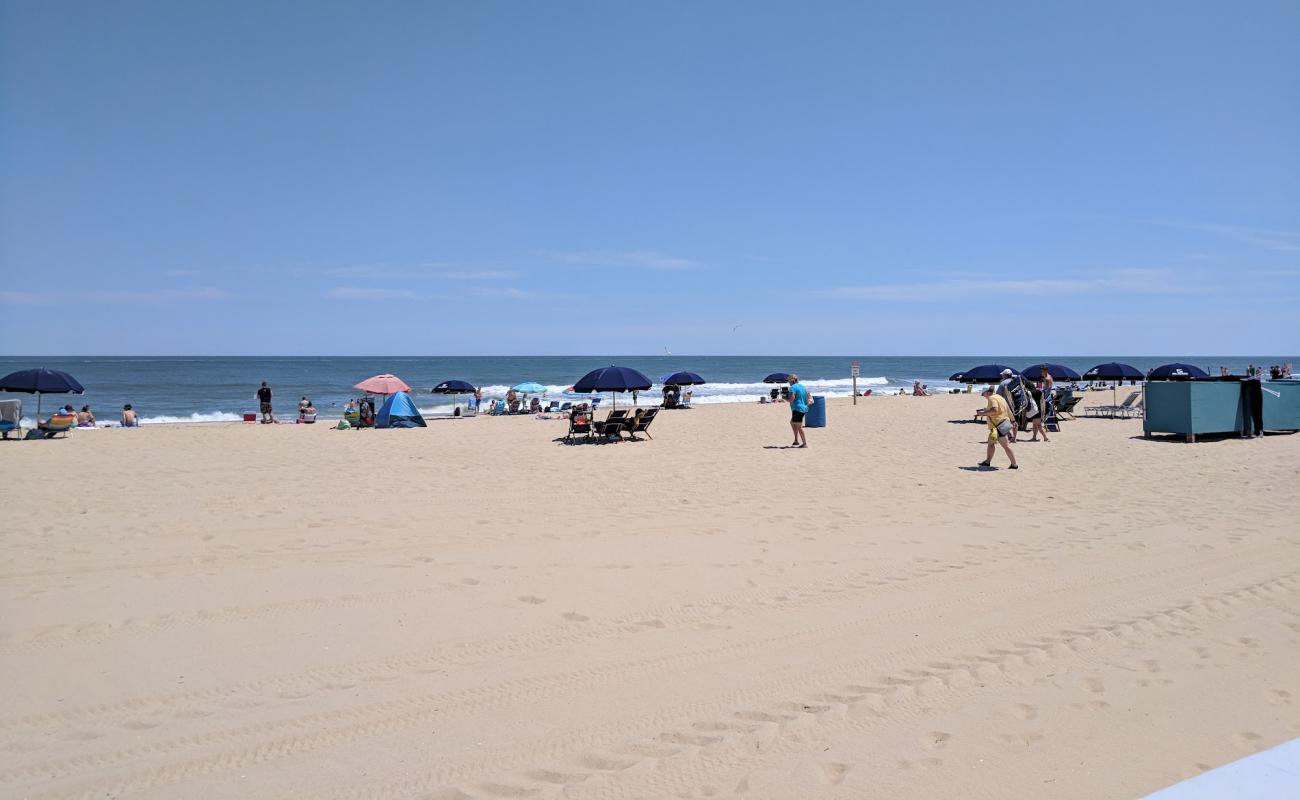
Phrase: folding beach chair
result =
(641, 424)
(1065, 405)
(579, 425)
(11, 418)
(1121, 410)
(58, 424)
(611, 427)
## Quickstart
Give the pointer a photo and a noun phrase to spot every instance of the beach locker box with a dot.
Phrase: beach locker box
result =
(1192, 407)
(1282, 406)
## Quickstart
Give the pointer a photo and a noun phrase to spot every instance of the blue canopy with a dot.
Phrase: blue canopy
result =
(681, 379)
(40, 381)
(1059, 372)
(399, 411)
(612, 379)
(529, 387)
(1113, 371)
(984, 373)
(454, 387)
(1176, 371)
(777, 377)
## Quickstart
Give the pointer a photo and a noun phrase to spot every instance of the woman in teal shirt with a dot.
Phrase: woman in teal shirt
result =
(798, 407)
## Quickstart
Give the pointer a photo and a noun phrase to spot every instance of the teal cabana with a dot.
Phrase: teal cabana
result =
(1196, 407)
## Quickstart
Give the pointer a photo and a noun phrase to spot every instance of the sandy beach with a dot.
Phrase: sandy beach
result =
(474, 611)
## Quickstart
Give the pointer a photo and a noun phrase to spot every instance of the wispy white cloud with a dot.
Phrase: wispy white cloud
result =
(1278, 241)
(23, 298)
(159, 295)
(420, 272)
(1126, 281)
(369, 293)
(123, 296)
(645, 259)
(507, 291)
(476, 275)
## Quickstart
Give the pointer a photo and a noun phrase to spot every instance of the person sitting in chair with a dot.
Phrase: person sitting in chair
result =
(306, 412)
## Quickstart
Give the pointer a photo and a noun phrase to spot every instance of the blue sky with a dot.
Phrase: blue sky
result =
(714, 178)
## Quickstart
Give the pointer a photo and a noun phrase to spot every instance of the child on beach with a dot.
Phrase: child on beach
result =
(998, 415)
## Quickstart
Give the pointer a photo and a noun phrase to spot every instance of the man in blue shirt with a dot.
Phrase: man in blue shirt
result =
(798, 407)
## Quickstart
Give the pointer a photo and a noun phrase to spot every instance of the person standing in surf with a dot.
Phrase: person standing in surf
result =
(264, 400)
(798, 407)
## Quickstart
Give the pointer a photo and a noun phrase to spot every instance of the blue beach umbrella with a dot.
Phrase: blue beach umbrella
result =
(984, 373)
(454, 388)
(682, 379)
(529, 387)
(1176, 371)
(40, 381)
(777, 377)
(1059, 372)
(612, 379)
(1113, 371)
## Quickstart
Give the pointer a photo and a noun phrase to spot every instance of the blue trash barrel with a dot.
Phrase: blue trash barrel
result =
(816, 416)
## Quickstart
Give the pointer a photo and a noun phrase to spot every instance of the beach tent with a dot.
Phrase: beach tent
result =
(399, 411)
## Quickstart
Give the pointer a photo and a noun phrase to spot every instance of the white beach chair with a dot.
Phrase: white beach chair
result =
(11, 418)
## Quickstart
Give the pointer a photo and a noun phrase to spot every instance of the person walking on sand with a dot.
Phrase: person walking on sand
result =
(264, 399)
(798, 407)
(998, 415)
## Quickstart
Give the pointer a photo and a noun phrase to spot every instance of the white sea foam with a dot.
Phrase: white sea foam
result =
(214, 416)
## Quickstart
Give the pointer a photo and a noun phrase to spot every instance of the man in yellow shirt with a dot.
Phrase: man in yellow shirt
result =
(998, 416)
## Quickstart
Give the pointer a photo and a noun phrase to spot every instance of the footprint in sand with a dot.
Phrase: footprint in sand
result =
(832, 773)
(573, 616)
(1249, 740)
(1024, 711)
(1093, 685)
(531, 598)
(935, 740)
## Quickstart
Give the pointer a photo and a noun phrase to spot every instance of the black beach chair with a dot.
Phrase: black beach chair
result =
(579, 425)
(641, 424)
(612, 426)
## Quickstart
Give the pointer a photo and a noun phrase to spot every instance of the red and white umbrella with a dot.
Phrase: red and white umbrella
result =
(383, 384)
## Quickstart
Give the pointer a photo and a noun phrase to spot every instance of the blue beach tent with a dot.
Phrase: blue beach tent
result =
(399, 411)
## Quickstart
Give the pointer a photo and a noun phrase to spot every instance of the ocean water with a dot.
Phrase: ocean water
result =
(216, 389)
